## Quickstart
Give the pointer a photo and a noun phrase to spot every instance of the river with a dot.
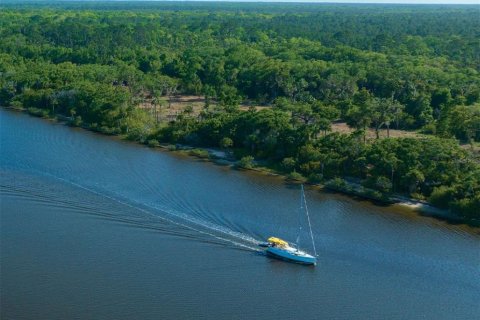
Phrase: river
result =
(92, 227)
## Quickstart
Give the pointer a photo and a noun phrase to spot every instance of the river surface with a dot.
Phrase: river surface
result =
(97, 228)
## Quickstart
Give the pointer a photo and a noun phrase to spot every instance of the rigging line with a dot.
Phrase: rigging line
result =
(308, 219)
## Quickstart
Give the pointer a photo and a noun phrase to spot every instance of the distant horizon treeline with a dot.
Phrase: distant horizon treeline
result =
(404, 67)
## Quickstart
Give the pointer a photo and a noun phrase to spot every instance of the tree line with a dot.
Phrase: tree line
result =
(310, 65)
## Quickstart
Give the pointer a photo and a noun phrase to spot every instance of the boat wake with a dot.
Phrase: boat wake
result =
(156, 217)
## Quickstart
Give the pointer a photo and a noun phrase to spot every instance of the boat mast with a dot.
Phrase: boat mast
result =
(300, 219)
(308, 219)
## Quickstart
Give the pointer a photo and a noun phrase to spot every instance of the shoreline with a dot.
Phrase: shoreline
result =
(352, 190)
(420, 208)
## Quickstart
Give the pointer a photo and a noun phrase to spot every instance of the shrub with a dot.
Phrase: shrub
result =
(468, 208)
(429, 128)
(373, 194)
(296, 176)
(108, 130)
(199, 153)
(310, 167)
(442, 196)
(38, 112)
(226, 143)
(246, 162)
(288, 164)
(383, 184)
(17, 105)
(315, 177)
(417, 196)
(338, 184)
(153, 143)
(77, 122)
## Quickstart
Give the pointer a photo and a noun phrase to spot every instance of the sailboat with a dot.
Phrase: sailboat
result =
(281, 249)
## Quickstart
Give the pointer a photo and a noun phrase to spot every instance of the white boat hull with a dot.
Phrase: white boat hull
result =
(292, 254)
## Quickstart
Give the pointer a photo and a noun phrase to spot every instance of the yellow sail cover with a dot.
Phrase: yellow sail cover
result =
(278, 241)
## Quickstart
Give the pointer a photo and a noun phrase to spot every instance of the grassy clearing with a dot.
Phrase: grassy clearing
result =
(168, 109)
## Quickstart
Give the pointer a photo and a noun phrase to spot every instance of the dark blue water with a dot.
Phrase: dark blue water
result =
(93, 227)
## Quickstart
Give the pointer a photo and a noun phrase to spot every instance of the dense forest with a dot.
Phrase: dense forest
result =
(112, 67)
